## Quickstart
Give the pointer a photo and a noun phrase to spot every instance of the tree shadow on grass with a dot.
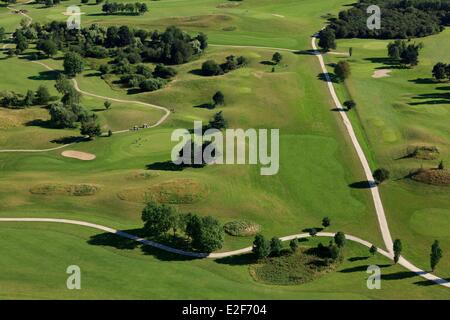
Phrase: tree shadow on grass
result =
(239, 260)
(45, 75)
(426, 283)
(197, 72)
(362, 185)
(165, 166)
(354, 259)
(93, 74)
(39, 123)
(423, 81)
(437, 98)
(69, 139)
(309, 52)
(398, 275)
(163, 255)
(116, 241)
(308, 230)
(388, 63)
(268, 63)
(362, 268)
(323, 77)
(208, 106)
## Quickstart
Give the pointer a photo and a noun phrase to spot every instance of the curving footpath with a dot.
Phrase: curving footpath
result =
(77, 88)
(178, 251)
(387, 238)
(219, 255)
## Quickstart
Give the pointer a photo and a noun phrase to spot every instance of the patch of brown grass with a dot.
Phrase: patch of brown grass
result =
(11, 118)
(176, 191)
(435, 177)
(423, 152)
(65, 189)
(228, 5)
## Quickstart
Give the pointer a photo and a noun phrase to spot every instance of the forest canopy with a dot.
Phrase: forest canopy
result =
(400, 19)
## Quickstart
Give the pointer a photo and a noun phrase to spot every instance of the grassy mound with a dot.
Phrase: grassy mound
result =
(144, 175)
(241, 228)
(432, 176)
(423, 152)
(65, 189)
(303, 266)
(176, 191)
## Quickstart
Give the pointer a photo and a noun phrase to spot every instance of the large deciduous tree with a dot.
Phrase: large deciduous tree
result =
(73, 64)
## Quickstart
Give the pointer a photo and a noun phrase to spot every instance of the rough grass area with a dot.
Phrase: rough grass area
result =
(229, 5)
(423, 152)
(176, 191)
(10, 118)
(241, 228)
(65, 189)
(144, 175)
(432, 176)
(300, 267)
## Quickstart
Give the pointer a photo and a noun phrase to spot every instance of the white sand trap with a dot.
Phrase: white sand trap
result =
(278, 15)
(381, 73)
(78, 155)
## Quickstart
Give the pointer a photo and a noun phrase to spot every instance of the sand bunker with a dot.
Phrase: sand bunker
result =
(381, 73)
(78, 155)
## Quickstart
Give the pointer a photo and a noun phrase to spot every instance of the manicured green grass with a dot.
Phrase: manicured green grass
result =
(317, 165)
(42, 253)
(405, 109)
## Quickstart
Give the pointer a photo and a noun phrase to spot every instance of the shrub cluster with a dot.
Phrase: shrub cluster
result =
(205, 233)
(212, 68)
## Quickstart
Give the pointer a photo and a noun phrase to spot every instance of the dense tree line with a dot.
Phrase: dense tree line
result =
(10, 99)
(143, 77)
(127, 47)
(173, 46)
(401, 19)
(124, 8)
(205, 233)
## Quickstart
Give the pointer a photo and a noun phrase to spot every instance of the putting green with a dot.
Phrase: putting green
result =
(431, 222)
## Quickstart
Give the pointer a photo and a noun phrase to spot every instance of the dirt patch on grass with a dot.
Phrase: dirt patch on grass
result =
(176, 191)
(291, 269)
(78, 155)
(78, 190)
(435, 177)
(381, 73)
(241, 228)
